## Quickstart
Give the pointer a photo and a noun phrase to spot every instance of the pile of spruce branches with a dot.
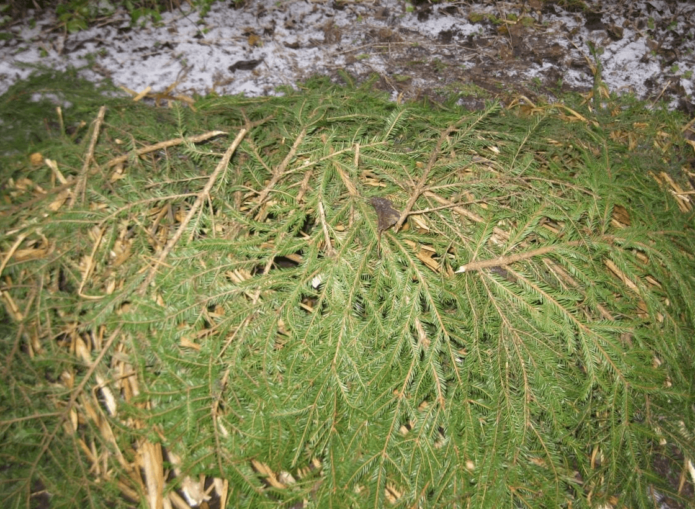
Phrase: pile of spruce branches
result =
(328, 299)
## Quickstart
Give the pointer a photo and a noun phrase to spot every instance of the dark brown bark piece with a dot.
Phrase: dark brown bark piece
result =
(386, 215)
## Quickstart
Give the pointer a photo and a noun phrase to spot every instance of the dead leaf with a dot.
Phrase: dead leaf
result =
(420, 224)
(23, 255)
(425, 256)
(187, 343)
(36, 159)
(621, 217)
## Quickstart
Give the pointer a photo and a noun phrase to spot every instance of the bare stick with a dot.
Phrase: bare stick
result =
(508, 260)
(279, 171)
(20, 239)
(164, 144)
(202, 196)
(322, 216)
(82, 177)
(305, 186)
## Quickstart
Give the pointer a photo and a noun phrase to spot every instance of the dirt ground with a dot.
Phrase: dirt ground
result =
(535, 55)
(469, 50)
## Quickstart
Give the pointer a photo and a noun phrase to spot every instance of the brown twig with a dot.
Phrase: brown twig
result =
(90, 267)
(352, 190)
(508, 260)
(688, 125)
(279, 171)
(202, 196)
(20, 334)
(322, 216)
(82, 177)
(17, 242)
(164, 144)
(304, 186)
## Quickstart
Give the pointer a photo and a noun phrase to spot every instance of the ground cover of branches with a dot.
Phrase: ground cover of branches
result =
(207, 306)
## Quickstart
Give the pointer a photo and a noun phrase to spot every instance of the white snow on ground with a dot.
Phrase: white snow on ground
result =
(267, 43)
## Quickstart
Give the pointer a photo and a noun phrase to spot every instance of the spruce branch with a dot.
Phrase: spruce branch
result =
(284, 374)
(278, 172)
(421, 184)
(48, 439)
(585, 331)
(465, 213)
(202, 196)
(165, 144)
(88, 159)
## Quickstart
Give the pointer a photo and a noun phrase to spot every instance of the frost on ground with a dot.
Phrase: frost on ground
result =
(534, 48)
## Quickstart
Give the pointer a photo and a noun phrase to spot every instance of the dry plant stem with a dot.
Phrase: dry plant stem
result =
(73, 399)
(140, 202)
(279, 171)
(13, 352)
(352, 190)
(82, 177)
(25, 205)
(688, 125)
(305, 186)
(202, 196)
(668, 83)
(453, 205)
(164, 144)
(322, 215)
(215, 413)
(29, 418)
(19, 335)
(90, 267)
(578, 116)
(508, 260)
(59, 113)
(252, 125)
(20, 239)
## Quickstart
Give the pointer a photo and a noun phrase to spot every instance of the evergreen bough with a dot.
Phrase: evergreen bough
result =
(522, 338)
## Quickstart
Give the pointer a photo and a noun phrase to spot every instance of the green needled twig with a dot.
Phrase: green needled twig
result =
(202, 196)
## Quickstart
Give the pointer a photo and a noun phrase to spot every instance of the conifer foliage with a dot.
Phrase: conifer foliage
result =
(346, 302)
